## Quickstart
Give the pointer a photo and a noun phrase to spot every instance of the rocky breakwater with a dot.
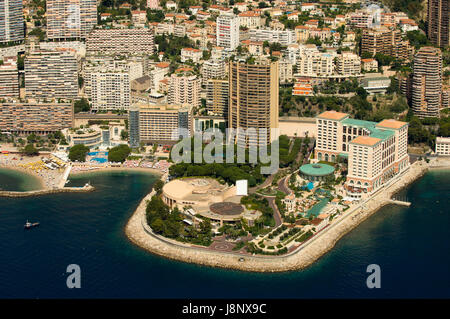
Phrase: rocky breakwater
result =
(84, 189)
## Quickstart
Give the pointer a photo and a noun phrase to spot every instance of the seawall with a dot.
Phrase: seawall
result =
(140, 234)
(48, 191)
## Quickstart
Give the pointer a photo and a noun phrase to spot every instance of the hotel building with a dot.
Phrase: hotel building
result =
(439, 22)
(120, 41)
(253, 101)
(227, 31)
(69, 19)
(426, 89)
(33, 117)
(159, 123)
(442, 146)
(184, 88)
(9, 77)
(51, 74)
(376, 152)
(11, 21)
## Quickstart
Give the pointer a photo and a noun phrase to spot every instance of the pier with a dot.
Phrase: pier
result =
(399, 202)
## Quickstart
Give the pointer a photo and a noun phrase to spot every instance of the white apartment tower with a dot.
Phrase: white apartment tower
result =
(11, 21)
(227, 31)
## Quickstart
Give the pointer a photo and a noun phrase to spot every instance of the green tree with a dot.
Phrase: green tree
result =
(158, 186)
(30, 150)
(78, 153)
(119, 153)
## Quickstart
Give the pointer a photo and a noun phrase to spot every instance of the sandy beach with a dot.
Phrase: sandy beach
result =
(140, 234)
(117, 169)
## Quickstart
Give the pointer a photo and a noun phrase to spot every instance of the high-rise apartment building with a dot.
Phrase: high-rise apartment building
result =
(439, 22)
(217, 97)
(110, 90)
(227, 31)
(120, 41)
(51, 74)
(184, 88)
(69, 19)
(253, 103)
(426, 89)
(385, 41)
(35, 117)
(376, 152)
(11, 21)
(9, 77)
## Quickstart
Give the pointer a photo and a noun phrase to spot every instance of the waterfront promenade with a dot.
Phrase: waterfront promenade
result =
(139, 233)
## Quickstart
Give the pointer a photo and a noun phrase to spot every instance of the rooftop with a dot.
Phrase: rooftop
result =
(318, 169)
(392, 124)
(366, 140)
(333, 115)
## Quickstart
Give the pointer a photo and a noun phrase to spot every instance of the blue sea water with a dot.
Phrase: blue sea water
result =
(411, 245)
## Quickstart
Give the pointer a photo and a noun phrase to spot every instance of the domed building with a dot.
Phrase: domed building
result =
(316, 172)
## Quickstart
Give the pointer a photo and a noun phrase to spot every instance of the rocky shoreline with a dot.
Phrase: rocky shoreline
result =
(299, 259)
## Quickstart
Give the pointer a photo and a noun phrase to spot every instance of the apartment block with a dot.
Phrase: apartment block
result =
(51, 74)
(284, 37)
(227, 31)
(217, 92)
(426, 89)
(442, 146)
(376, 152)
(385, 41)
(9, 77)
(348, 64)
(67, 19)
(11, 21)
(184, 88)
(253, 102)
(439, 22)
(315, 63)
(213, 69)
(251, 19)
(120, 41)
(110, 90)
(34, 117)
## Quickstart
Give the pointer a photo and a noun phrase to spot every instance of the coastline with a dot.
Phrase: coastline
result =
(26, 172)
(308, 253)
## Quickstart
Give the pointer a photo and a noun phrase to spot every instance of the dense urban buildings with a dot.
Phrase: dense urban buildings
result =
(70, 19)
(426, 89)
(11, 21)
(439, 22)
(253, 102)
(120, 41)
(35, 117)
(51, 74)
(9, 77)
(376, 152)
(227, 31)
